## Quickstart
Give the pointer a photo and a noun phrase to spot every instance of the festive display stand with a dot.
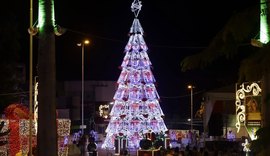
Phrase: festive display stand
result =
(166, 142)
(63, 131)
(155, 152)
(19, 141)
(121, 143)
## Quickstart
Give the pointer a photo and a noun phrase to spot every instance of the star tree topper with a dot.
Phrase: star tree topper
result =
(136, 7)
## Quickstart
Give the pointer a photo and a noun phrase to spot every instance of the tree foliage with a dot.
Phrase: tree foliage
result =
(262, 142)
(234, 40)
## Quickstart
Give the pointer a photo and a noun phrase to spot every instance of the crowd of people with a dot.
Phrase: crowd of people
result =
(206, 151)
(83, 145)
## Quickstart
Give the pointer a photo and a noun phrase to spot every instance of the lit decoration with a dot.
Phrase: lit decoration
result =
(122, 143)
(24, 127)
(4, 149)
(136, 7)
(22, 130)
(104, 111)
(42, 15)
(17, 121)
(252, 131)
(264, 26)
(248, 96)
(14, 113)
(136, 108)
(63, 131)
(63, 127)
(246, 146)
(35, 104)
(24, 133)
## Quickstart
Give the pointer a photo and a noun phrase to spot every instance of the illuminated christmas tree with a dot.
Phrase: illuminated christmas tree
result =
(136, 108)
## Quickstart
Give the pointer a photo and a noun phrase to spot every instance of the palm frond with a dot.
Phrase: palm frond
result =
(256, 65)
(238, 31)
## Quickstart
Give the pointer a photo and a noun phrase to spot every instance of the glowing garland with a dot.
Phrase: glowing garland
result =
(253, 88)
(36, 105)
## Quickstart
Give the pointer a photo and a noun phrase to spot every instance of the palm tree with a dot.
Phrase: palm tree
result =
(262, 142)
(228, 42)
(231, 41)
(47, 132)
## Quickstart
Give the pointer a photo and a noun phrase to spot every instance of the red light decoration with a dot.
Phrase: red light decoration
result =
(14, 113)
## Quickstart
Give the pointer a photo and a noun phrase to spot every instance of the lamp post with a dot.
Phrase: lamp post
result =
(30, 79)
(85, 42)
(191, 106)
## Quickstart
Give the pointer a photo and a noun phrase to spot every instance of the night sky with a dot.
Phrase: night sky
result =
(173, 29)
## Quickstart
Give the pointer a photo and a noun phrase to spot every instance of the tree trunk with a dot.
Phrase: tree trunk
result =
(266, 100)
(47, 131)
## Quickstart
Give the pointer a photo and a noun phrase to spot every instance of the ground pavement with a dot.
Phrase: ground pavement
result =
(104, 152)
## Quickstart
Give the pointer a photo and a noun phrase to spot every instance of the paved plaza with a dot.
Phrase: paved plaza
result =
(104, 152)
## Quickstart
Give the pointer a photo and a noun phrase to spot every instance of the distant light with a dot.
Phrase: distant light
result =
(104, 111)
(86, 41)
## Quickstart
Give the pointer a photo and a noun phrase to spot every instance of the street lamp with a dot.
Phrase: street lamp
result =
(82, 44)
(191, 106)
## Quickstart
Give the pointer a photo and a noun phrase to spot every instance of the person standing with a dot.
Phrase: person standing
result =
(83, 142)
(73, 149)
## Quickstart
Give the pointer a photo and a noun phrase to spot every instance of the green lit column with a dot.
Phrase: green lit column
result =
(264, 22)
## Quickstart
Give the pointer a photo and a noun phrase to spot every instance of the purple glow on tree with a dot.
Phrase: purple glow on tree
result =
(136, 108)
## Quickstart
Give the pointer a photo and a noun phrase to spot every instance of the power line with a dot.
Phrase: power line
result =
(152, 45)
(93, 36)
(17, 93)
(120, 41)
(164, 97)
(181, 96)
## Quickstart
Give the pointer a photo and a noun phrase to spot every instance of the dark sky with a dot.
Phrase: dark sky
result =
(173, 29)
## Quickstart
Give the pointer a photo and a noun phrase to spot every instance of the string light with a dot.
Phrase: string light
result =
(63, 131)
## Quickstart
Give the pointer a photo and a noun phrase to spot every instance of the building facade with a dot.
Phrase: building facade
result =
(69, 101)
